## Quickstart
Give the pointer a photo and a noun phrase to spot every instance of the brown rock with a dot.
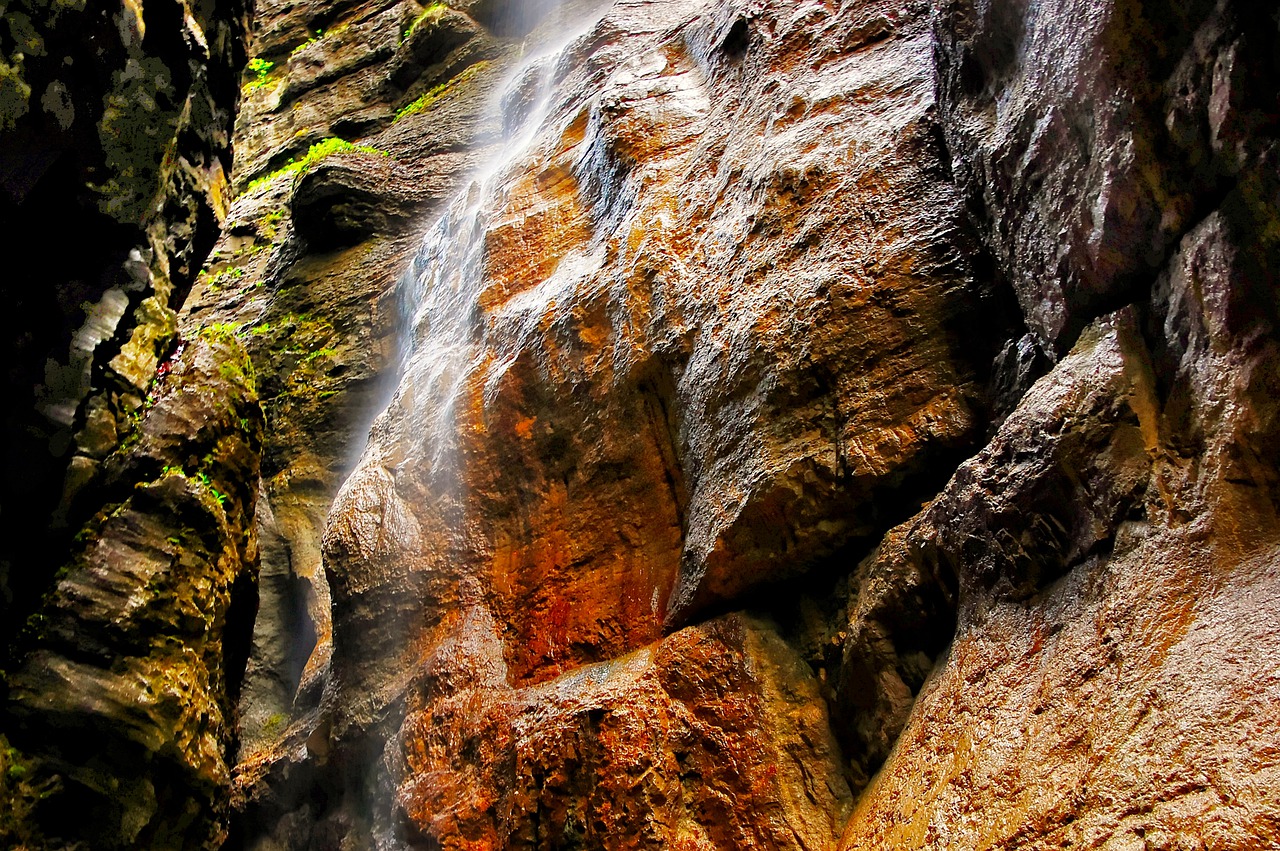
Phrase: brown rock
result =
(124, 692)
(115, 124)
(714, 738)
(701, 343)
(641, 429)
(306, 275)
(1085, 135)
(1132, 699)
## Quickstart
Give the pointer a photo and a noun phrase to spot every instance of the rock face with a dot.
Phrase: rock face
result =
(700, 424)
(123, 689)
(115, 134)
(744, 289)
(127, 497)
(737, 296)
(1114, 546)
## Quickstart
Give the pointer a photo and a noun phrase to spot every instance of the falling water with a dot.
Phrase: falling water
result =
(447, 276)
(445, 341)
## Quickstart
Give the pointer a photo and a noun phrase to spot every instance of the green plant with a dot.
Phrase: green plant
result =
(315, 38)
(203, 478)
(432, 11)
(326, 352)
(260, 69)
(20, 792)
(269, 225)
(219, 330)
(441, 90)
(217, 280)
(317, 152)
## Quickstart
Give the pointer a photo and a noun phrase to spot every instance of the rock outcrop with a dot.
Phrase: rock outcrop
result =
(115, 136)
(705, 342)
(122, 692)
(131, 456)
(698, 424)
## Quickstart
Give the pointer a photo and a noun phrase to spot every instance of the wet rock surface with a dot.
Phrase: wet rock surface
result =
(123, 689)
(126, 551)
(115, 135)
(718, 338)
(697, 424)
(1114, 545)
(694, 370)
(714, 737)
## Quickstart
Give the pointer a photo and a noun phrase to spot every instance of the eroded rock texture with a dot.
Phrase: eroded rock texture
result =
(115, 134)
(1114, 546)
(126, 543)
(332, 200)
(666, 537)
(123, 686)
(699, 424)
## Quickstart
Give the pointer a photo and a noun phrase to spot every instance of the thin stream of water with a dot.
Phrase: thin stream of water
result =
(441, 289)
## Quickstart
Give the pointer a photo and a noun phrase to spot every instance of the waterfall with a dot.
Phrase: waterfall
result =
(412, 472)
(441, 289)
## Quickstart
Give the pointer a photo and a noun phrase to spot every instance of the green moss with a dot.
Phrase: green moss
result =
(15, 94)
(441, 90)
(232, 372)
(315, 38)
(275, 724)
(434, 12)
(20, 792)
(326, 352)
(269, 226)
(295, 352)
(215, 281)
(317, 152)
(219, 330)
(259, 71)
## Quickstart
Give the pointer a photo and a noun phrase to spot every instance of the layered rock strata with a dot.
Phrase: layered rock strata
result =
(126, 544)
(760, 281)
(121, 696)
(115, 136)
(794, 425)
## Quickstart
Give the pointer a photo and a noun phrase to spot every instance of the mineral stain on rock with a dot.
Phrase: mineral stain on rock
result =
(664, 424)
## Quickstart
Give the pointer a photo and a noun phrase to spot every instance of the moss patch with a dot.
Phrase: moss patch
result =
(20, 792)
(314, 154)
(441, 90)
(432, 13)
(259, 73)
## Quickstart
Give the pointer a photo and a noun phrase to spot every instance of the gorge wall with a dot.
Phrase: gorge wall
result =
(662, 424)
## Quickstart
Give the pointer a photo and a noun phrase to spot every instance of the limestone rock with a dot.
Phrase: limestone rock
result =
(680, 417)
(306, 275)
(707, 338)
(114, 167)
(1115, 549)
(1105, 686)
(695, 368)
(124, 690)
(715, 737)
(1092, 136)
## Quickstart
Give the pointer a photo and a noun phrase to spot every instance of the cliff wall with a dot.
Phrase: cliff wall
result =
(711, 424)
